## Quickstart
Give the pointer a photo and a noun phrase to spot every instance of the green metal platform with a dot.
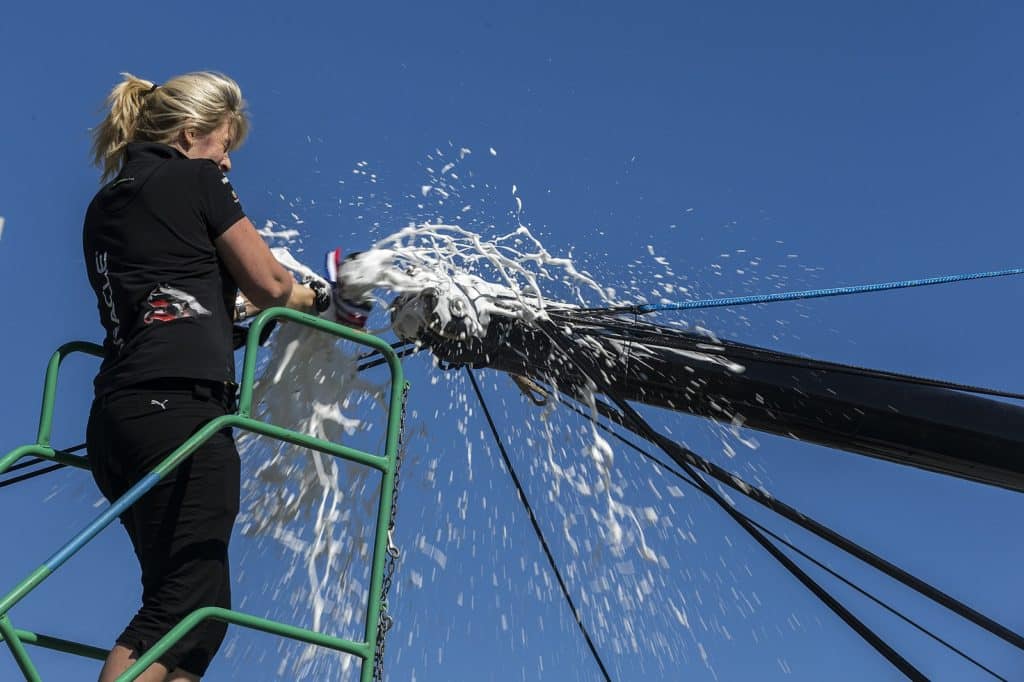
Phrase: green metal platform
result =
(16, 639)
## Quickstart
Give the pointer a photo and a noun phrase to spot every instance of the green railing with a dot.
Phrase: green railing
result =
(241, 419)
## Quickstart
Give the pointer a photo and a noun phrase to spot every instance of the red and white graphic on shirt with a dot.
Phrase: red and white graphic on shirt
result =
(165, 304)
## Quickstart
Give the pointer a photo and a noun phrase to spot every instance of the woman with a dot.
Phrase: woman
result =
(167, 247)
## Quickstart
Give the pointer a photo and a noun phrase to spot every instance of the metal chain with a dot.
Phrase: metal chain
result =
(385, 621)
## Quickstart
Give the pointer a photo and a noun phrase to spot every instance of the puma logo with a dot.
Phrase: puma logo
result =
(162, 404)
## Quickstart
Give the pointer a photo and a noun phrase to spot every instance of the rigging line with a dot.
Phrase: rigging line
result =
(381, 360)
(847, 545)
(25, 464)
(866, 633)
(32, 474)
(10, 480)
(788, 544)
(741, 351)
(39, 460)
(662, 337)
(813, 293)
(394, 346)
(881, 603)
(536, 526)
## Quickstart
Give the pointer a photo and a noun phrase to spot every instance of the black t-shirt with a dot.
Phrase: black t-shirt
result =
(164, 297)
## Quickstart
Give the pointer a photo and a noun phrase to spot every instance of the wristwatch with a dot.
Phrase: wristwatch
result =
(321, 293)
(239, 308)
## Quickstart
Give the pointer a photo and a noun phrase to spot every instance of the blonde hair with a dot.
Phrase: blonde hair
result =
(141, 111)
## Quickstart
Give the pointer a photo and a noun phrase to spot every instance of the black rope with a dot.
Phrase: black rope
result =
(25, 464)
(790, 545)
(831, 536)
(382, 360)
(32, 474)
(881, 603)
(39, 460)
(394, 346)
(669, 338)
(866, 633)
(11, 480)
(536, 526)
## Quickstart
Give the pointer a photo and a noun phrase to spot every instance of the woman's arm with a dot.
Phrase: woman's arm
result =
(264, 281)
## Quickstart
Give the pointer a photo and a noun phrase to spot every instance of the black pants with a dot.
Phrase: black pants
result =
(179, 529)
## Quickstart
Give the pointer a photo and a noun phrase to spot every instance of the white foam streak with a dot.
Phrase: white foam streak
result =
(314, 504)
(318, 507)
(472, 278)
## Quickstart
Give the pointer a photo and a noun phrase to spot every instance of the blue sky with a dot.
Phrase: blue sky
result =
(837, 144)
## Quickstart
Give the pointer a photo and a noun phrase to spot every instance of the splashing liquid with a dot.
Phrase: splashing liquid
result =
(320, 508)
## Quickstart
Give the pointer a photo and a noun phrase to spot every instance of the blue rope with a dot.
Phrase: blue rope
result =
(818, 293)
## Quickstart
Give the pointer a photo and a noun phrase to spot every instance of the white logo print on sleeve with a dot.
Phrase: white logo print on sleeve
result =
(107, 293)
(224, 181)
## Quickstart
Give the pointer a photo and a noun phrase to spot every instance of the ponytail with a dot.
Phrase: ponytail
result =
(109, 138)
(141, 111)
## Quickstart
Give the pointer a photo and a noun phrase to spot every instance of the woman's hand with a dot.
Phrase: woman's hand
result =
(303, 299)
(311, 296)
